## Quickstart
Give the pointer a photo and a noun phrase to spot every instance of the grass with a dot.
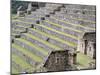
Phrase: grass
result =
(28, 18)
(14, 34)
(65, 34)
(58, 25)
(79, 19)
(28, 53)
(80, 9)
(20, 61)
(14, 71)
(83, 60)
(42, 50)
(61, 27)
(19, 25)
(14, 16)
(19, 30)
(56, 38)
(23, 64)
(62, 33)
(68, 35)
(65, 41)
(77, 25)
(22, 21)
(84, 10)
(44, 42)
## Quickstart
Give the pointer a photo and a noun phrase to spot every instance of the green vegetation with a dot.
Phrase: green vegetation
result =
(79, 19)
(20, 61)
(28, 53)
(58, 25)
(64, 41)
(56, 38)
(62, 33)
(68, 35)
(77, 25)
(13, 34)
(40, 49)
(23, 26)
(19, 30)
(83, 61)
(14, 71)
(44, 42)
(14, 16)
(22, 21)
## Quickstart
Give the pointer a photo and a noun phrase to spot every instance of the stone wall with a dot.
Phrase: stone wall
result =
(58, 61)
(88, 45)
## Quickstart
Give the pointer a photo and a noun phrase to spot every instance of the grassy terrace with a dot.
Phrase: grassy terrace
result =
(21, 62)
(68, 35)
(68, 23)
(42, 50)
(62, 33)
(56, 38)
(33, 56)
(25, 18)
(82, 15)
(59, 32)
(19, 30)
(14, 34)
(19, 25)
(14, 70)
(14, 16)
(44, 42)
(86, 14)
(79, 9)
(77, 25)
(83, 61)
(79, 19)
(67, 42)
(58, 25)
(26, 23)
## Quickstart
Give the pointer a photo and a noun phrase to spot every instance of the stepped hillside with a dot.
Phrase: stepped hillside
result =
(53, 27)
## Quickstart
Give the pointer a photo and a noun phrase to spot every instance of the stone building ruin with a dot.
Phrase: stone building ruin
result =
(88, 44)
(60, 61)
(21, 11)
